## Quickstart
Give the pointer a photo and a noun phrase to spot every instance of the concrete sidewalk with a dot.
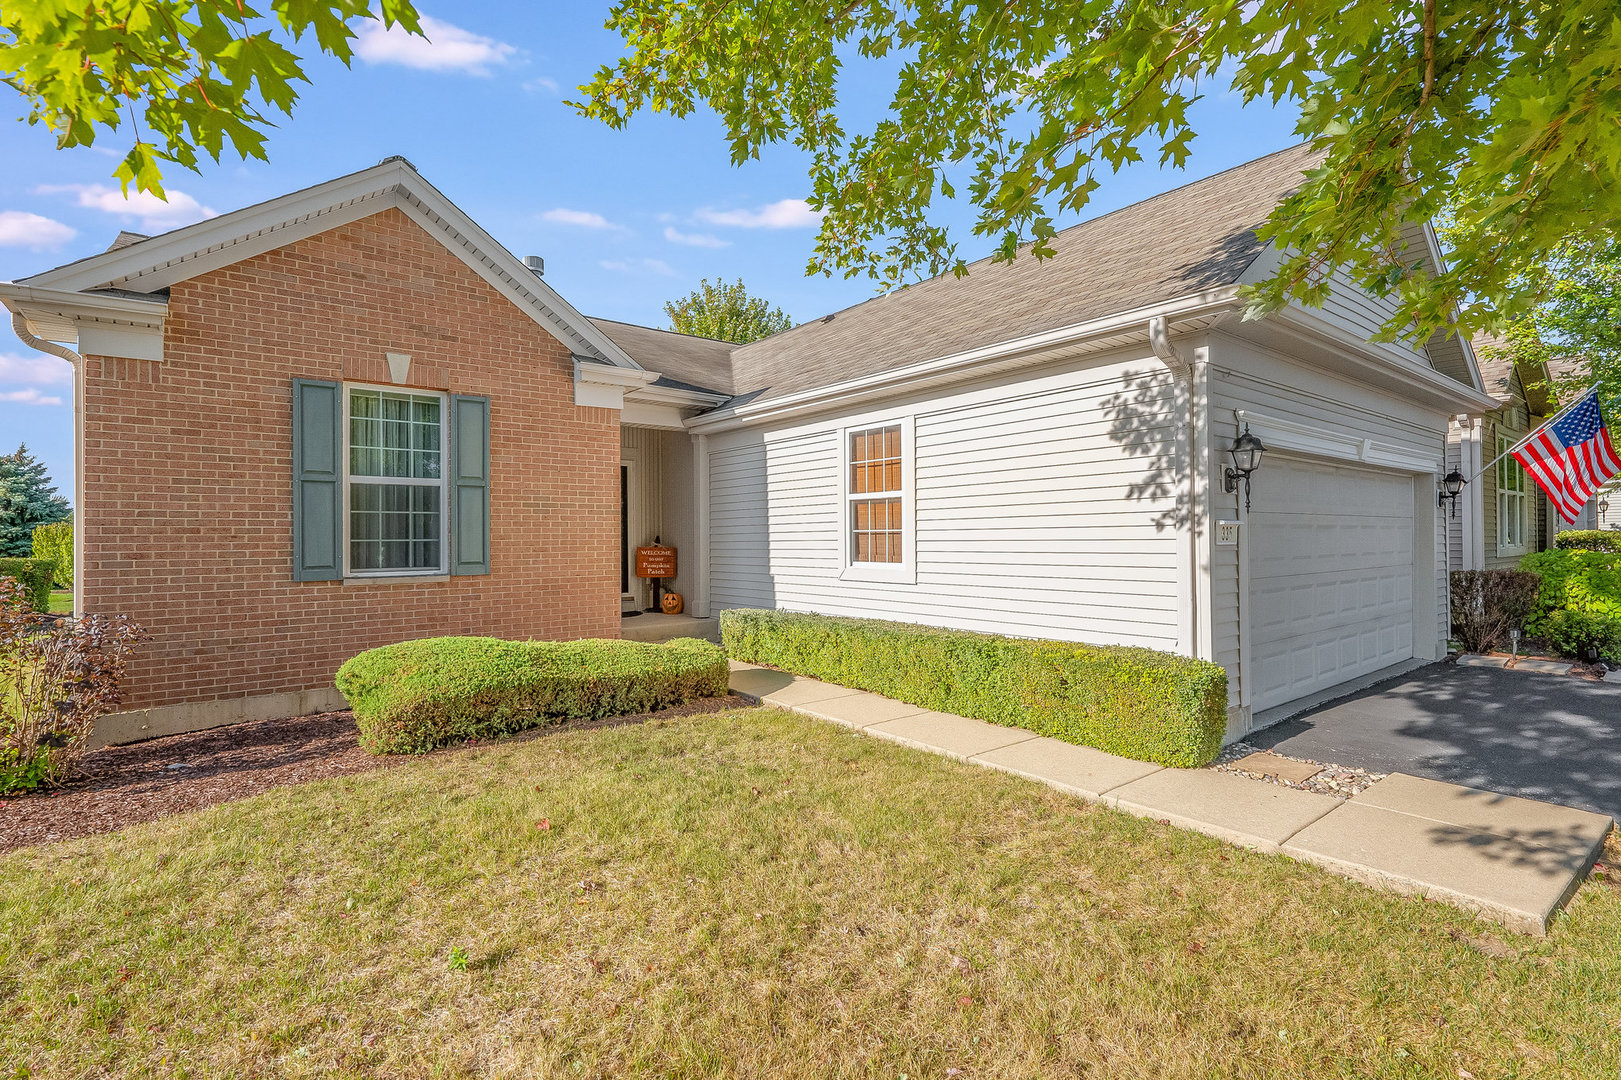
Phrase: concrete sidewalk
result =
(1512, 860)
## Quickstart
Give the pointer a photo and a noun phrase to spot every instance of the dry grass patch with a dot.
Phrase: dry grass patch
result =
(752, 893)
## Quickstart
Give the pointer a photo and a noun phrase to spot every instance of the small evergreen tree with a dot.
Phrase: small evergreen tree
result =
(726, 313)
(27, 499)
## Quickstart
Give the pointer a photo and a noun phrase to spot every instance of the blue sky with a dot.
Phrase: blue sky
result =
(625, 220)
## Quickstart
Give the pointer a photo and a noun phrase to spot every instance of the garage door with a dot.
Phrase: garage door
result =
(1331, 576)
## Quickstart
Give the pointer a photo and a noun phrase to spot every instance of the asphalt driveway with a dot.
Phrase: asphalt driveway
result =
(1548, 737)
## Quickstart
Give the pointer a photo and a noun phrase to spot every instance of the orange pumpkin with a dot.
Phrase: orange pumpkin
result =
(672, 603)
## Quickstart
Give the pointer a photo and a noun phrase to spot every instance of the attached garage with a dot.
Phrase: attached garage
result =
(1331, 551)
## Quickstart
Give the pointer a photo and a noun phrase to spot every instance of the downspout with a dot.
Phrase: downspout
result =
(19, 326)
(1186, 406)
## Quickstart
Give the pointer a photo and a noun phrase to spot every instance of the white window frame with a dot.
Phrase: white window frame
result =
(905, 571)
(1519, 498)
(443, 483)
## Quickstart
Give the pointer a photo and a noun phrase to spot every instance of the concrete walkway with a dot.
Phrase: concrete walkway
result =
(1507, 859)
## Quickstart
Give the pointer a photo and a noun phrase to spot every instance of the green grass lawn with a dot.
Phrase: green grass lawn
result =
(754, 894)
(61, 602)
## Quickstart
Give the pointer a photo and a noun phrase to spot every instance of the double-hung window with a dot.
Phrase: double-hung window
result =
(394, 483)
(878, 501)
(1513, 503)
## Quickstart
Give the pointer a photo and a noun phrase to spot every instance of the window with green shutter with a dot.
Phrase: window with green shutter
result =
(388, 482)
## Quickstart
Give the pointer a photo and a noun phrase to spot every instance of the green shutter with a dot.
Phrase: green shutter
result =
(469, 485)
(317, 480)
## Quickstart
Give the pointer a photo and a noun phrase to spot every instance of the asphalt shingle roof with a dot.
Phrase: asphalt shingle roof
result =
(1197, 237)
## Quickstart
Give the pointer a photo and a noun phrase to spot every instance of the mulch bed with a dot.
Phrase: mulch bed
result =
(125, 785)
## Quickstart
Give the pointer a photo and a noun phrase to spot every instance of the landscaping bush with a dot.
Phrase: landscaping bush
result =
(1581, 580)
(57, 679)
(1139, 703)
(55, 542)
(35, 576)
(1589, 540)
(1487, 604)
(414, 696)
(1572, 633)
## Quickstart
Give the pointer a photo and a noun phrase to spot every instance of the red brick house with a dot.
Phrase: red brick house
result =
(288, 421)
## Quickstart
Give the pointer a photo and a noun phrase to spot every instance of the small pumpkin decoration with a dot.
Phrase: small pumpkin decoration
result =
(672, 603)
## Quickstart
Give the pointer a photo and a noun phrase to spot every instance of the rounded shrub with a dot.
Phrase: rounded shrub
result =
(417, 695)
(1590, 540)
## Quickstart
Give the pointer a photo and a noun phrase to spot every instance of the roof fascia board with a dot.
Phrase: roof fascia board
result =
(98, 325)
(209, 245)
(966, 363)
(1412, 376)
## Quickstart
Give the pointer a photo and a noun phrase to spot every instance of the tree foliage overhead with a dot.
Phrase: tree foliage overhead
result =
(726, 313)
(1576, 328)
(1502, 114)
(185, 75)
(27, 499)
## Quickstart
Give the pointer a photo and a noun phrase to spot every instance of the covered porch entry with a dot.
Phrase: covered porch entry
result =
(658, 501)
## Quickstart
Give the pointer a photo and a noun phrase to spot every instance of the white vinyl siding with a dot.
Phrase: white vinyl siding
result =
(1043, 508)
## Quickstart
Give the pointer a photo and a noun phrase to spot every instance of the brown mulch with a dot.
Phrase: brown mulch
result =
(125, 785)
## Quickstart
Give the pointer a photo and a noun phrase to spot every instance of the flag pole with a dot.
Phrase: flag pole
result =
(1484, 469)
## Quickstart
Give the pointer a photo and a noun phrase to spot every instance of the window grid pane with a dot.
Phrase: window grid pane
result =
(875, 460)
(393, 435)
(876, 530)
(394, 527)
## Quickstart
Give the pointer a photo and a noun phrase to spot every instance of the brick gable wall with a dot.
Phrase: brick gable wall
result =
(187, 492)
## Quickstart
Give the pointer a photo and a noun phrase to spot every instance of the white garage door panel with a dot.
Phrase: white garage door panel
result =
(1331, 572)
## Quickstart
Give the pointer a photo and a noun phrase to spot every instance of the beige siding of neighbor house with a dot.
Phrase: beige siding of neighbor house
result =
(1045, 506)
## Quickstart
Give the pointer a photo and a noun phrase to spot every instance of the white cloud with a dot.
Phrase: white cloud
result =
(583, 219)
(703, 240)
(638, 266)
(446, 47)
(782, 214)
(34, 368)
(29, 396)
(539, 83)
(18, 228)
(151, 211)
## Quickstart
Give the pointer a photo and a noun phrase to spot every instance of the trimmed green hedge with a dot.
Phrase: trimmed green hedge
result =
(414, 696)
(36, 576)
(1138, 703)
(1590, 540)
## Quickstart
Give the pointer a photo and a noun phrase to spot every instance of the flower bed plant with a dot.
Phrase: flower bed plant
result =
(1139, 703)
(417, 695)
(1578, 607)
(56, 680)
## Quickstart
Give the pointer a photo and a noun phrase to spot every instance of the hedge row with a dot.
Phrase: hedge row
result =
(1137, 703)
(36, 576)
(1589, 540)
(414, 696)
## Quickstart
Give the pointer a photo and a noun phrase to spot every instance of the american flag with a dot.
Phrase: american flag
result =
(1571, 456)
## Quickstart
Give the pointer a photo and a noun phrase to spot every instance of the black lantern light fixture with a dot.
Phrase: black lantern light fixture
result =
(1604, 505)
(1246, 453)
(1451, 487)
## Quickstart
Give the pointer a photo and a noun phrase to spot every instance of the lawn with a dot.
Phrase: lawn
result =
(754, 894)
(61, 602)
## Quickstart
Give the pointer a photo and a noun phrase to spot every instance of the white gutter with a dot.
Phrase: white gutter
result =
(1213, 302)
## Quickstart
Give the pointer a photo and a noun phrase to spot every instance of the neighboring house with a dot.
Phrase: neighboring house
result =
(1503, 515)
(1036, 449)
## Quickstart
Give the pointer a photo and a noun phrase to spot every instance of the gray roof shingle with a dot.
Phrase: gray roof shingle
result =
(1199, 236)
(680, 359)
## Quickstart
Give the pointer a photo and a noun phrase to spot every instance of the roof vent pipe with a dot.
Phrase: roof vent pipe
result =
(535, 263)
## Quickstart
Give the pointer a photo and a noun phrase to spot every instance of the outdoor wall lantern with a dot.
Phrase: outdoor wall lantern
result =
(1246, 453)
(1604, 506)
(1451, 487)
